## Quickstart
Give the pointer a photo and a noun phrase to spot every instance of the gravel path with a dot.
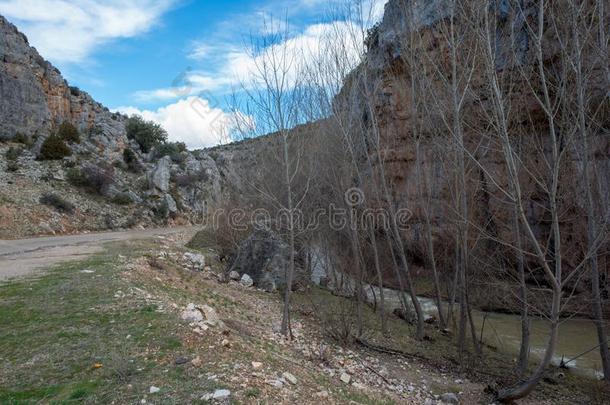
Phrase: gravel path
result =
(20, 258)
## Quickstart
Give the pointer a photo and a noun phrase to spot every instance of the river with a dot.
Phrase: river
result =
(503, 331)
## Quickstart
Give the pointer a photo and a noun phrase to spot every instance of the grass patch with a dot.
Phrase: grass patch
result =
(70, 337)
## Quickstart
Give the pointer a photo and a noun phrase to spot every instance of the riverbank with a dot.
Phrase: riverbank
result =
(109, 328)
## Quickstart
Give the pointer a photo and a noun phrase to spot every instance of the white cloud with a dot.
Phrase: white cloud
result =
(68, 31)
(185, 85)
(191, 120)
(234, 66)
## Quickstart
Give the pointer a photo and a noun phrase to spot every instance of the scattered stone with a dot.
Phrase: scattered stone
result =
(211, 317)
(234, 276)
(257, 365)
(180, 360)
(153, 389)
(322, 394)
(275, 383)
(197, 362)
(87, 271)
(218, 395)
(450, 398)
(290, 378)
(226, 343)
(195, 259)
(246, 281)
(346, 378)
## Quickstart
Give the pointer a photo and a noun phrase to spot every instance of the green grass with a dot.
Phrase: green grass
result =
(54, 329)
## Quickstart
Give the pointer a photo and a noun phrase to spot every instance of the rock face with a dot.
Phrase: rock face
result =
(36, 99)
(388, 76)
(160, 176)
(264, 257)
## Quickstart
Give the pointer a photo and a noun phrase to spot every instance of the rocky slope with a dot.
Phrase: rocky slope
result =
(34, 101)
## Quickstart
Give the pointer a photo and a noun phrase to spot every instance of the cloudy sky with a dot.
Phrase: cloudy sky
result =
(172, 61)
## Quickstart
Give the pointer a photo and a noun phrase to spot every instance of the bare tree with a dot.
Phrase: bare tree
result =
(273, 105)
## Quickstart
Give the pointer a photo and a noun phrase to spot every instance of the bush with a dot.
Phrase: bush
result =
(122, 199)
(172, 149)
(131, 160)
(75, 91)
(12, 167)
(190, 179)
(94, 178)
(55, 201)
(68, 132)
(146, 133)
(54, 148)
(22, 138)
(12, 154)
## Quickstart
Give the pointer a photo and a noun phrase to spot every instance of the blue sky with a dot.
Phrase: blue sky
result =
(172, 61)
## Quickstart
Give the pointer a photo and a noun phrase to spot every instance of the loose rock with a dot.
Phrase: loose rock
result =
(192, 314)
(290, 378)
(449, 398)
(246, 281)
(346, 378)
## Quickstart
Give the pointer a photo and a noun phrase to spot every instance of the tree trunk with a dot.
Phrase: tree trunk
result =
(382, 309)
(525, 388)
(524, 349)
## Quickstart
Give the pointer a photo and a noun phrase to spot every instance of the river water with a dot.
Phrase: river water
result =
(503, 331)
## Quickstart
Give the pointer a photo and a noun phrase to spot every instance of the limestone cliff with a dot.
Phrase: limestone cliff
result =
(416, 144)
(36, 99)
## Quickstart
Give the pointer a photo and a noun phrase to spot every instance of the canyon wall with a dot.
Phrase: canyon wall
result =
(418, 149)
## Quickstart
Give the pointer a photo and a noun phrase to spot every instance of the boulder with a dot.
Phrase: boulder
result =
(234, 276)
(192, 314)
(194, 260)
(169, 205)
(246, 281)
(265, 258)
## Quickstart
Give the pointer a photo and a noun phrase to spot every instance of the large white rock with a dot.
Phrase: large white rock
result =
(192, 314)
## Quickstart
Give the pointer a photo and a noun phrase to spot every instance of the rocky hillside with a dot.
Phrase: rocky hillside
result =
(94, 187)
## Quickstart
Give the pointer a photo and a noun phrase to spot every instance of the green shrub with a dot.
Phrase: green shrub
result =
(122, 199)
(54, 148)
(172, 149)
(12, 167)
(55, 201)
(146, 133)
(22, 138)
(12, 154)
(68, 132)
(191, 179)
(75, 91)
(91, 177)
(131, 160)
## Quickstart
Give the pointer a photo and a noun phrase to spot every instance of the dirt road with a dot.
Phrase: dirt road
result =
(20, 258)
